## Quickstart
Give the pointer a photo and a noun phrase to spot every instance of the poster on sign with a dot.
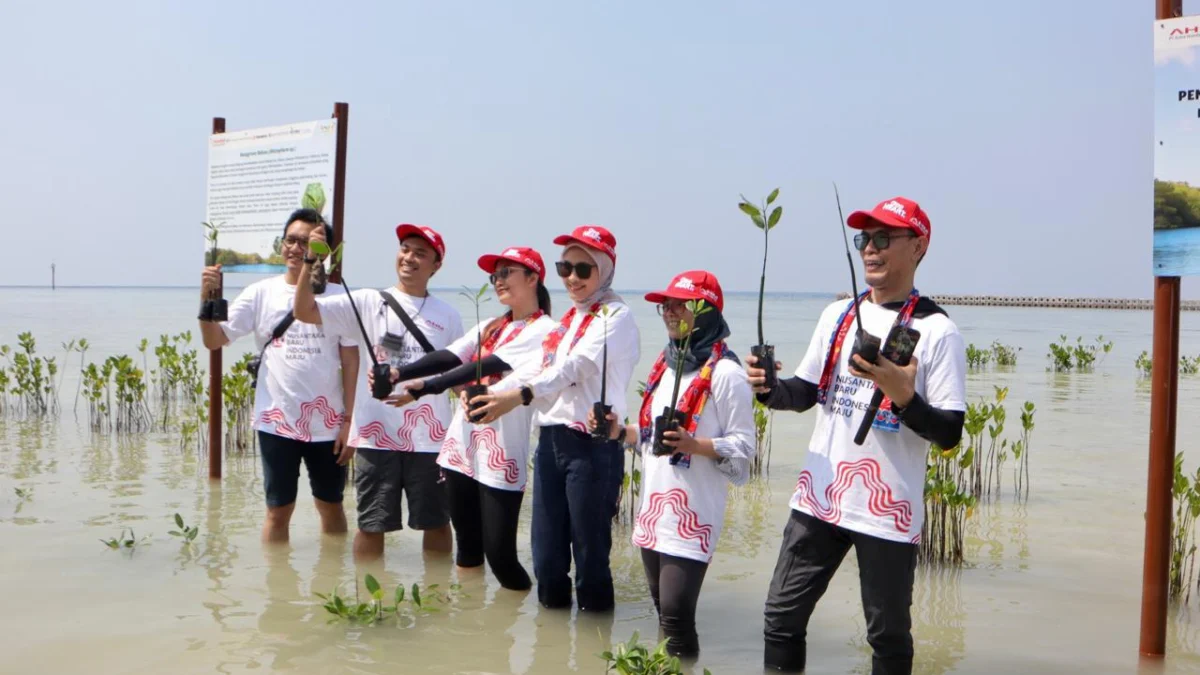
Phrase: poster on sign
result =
(1177, 147)
(256, 179)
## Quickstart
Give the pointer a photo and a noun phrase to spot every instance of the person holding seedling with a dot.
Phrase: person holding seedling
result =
(866, 491)
(695, 431)
(576, 477)
(396, 447)
(300, 399)
(485, 464)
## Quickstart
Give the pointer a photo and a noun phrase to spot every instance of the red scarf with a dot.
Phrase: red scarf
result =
(904, 318)
(691, 401)
(489, 343)
(554, 337)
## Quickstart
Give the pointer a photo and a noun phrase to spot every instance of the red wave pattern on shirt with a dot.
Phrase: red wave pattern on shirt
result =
(688, 527)
(303, 429)
(880, 502)
(414, 416)
(375, 433)
(496, 460)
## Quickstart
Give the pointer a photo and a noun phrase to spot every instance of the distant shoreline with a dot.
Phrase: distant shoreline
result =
(1052, 302)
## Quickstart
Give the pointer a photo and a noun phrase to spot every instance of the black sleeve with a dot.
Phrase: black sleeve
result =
(792, 394)
(941, 427)
(430, 364)
(492, 365)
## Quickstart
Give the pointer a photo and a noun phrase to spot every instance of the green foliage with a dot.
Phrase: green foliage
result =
(1186, 495)
(756, 216)
(763, 417)
(1080, 357)
(29, 378)
(697, 308)
(314, 197)
(125, 540)
(635, 658)
(977, 358)
(476, 298)
(1176, 205)
(1188, 365)
(238, 400)
(376, 610)
(1004, 355)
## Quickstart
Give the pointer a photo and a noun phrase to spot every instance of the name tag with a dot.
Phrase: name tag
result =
(885, 420)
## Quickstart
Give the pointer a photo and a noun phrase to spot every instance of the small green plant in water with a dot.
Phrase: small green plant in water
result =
(635, 658)
(1186, 494)
(376, 610)
(1004, 355)
(127, 539)
(187, 534)
(977, 358)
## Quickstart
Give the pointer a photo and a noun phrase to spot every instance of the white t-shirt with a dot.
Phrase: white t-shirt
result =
(496, 454)
(682, 509)
(421, 425)
(875, 488)
(565, 392)
(299, 393)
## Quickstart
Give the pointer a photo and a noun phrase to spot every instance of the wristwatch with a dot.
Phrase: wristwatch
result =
(526, 395)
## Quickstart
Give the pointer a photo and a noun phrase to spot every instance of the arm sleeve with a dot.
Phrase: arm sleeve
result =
(491, 365)
(793, 394)
(430, 364)
(735, 404)
(243, 314)
(584, 361)
(940, 427)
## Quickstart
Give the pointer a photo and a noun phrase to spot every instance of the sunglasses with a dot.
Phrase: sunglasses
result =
(582, 270)
(881, 239)
(503, 272)
(671, 307)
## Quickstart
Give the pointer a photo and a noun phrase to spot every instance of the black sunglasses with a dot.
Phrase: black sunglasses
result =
(881, 239)
(503, 272)
(582, 270)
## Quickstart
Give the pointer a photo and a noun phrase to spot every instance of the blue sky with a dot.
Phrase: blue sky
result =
(1024, 128)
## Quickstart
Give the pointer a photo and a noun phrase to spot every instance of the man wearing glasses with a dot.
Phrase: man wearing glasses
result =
(868, 496)
(304, 388)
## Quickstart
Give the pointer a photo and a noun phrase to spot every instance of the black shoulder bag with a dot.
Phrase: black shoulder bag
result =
(280, 328)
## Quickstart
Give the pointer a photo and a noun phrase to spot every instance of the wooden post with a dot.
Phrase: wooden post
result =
(341, 112)
(53, 285)
(1164, 376)
(215, 370)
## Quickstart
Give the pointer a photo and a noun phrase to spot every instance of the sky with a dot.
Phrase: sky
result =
(1023, 128)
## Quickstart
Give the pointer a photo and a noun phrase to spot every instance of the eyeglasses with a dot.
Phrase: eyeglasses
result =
(671, 306)
(503, 272)
(295, 241)
(882, 239)
(582, 270)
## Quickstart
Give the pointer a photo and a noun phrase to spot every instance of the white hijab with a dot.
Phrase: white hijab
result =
(607, 271)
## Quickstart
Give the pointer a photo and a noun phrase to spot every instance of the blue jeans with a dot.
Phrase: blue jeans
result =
(576, 485)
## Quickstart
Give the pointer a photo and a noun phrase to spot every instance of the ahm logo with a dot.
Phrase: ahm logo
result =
(1184, 32)
(592, 233)
(686, 284)
(512, 252)
(896, 208)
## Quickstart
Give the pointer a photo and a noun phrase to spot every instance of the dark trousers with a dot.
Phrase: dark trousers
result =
(675, 587)
(811, 552)
(576, 484)
(485, 525)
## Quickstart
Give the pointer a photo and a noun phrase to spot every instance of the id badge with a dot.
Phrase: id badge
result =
(681, 460)
(886, 420)
(393, 343)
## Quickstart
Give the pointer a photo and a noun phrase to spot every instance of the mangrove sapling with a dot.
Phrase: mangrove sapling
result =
(1186, 494)
(763, 352)
(1004, 355)
(238, 395)
(375, 611)
(997, 446)
(214, 308)
(187, 534)
(126, 539)
(1021, 452)
(82, 349)
(635, 658)
(476, 298)
(601, 408)
(947, 503)
(672, 418)
(764, 418)
(381, 372)
(977, 359)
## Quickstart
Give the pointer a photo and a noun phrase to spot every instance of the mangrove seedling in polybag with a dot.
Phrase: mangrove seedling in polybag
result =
(214, 308)
(479, 388)
(672, 418)
(764, 353)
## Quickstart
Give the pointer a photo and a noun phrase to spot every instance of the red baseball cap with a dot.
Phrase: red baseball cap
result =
(692, 285)
(896, 212)
(518, 254)
(592, 236)
(405, 230)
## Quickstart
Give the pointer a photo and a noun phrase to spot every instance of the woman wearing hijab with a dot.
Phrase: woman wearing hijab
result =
(683, 490)
(484, 465)
(576, 477)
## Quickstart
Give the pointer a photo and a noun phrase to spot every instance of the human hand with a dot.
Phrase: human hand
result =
(210, 281)
(757, 376)
(341, 447)
(897, 382)
(494, 406)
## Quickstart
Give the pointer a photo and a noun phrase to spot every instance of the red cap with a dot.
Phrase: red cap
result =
(518, 254)
(405, 230)
(592, 236)
(897, 212)
(692, 285)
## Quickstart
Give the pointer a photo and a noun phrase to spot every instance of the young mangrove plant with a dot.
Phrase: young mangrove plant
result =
(32, 378)
(1080, 357)
(476, 298)
(1004, 355)
(1186, 494)
(185, 533)
(214, 307)
(126, 539)
(672, 418)
(948, 504)
(635, 658)
(764, 418)
(376, 610)
(1021, 453)
(977, 359)
(997, 446)
(238, 400)
(763, 352)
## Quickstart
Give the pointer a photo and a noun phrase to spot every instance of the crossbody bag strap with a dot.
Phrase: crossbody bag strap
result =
(277, 332)
(407, 321)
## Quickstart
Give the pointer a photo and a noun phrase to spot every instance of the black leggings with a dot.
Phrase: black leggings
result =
(675, 587)
(485, 524)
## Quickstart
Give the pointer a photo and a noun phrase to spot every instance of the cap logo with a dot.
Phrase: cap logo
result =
(511, 253)
(592, 233)
(686, 284)
(919, 225)
(896, 208)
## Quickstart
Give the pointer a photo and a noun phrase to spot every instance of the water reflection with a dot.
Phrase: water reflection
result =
(939, 620)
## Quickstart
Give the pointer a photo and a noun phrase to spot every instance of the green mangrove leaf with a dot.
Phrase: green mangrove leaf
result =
(771, 197)
(775, 216)
(372, 585)
(179, 521)
(318, 247)
(314, 197)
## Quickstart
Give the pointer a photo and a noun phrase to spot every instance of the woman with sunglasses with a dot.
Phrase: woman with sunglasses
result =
(683, 490)
(484, 463)
(577, 477)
